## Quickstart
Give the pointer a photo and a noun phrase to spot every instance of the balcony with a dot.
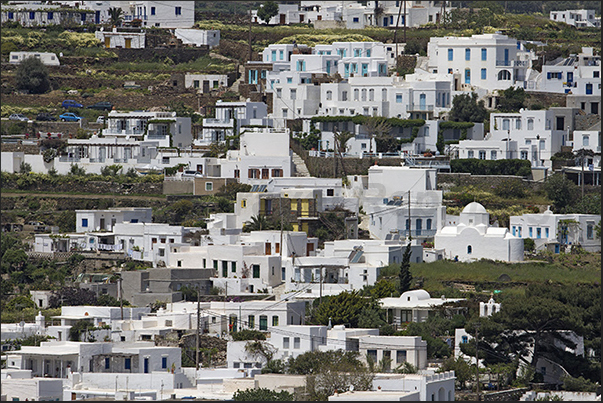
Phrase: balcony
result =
(108, 247)
(69, 159)
(419, 108)
(417, 233)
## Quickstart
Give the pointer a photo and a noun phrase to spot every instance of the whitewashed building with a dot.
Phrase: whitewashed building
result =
(577, 18)
(486, 61)
(231, 117)
(413, 306)
(533, 135)
(473, 238)
(121, 39)
(198, 37)
(556, 232)
(577, 75)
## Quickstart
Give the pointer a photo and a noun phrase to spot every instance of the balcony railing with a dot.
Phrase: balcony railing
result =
(114, 248)
(419, 108)
(417, 233)
(69, 159)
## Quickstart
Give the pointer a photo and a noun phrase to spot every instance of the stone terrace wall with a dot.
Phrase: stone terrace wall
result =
(505, 395)
(92, 187)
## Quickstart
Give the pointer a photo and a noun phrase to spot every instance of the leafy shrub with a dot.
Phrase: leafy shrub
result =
(474, 166)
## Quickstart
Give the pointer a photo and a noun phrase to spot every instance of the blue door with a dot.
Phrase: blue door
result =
(385, 22)
(557, 248)
(146, 365)
(422, 102)
(328, 67)
(364, 69)
(419, 226)
(467, 76)
(506, 57)
(97, 17)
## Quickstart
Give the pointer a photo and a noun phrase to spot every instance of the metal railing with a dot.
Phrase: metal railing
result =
(420, 108)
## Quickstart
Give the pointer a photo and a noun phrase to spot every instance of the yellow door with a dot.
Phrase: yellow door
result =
(305, 205)
(107, 42)
(128, 43)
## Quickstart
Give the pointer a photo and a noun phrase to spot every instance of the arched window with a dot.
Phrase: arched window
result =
(329, 95)
(504, 75)
(469, 249)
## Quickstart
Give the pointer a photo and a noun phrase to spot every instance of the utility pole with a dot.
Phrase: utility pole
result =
(477, 325)
(320, 280)
(249, 38)
(198, 328)
(409, 221)
(405, 23)
(396, 34)
(121, 297)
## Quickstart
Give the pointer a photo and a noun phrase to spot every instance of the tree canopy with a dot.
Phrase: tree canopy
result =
(268, 10)
(32, 76)
(467, 108)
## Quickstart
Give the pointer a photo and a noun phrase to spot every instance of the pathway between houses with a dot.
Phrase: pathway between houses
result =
(300, 168)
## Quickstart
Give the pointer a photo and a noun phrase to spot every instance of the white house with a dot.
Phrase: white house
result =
(393, 351)
(165, 127)
(160, 14)
(473, 238)
(533, 135)
(49, 59)
(105, 220)
(121, 39)
(429, 385)
(20, 385)
(577, 75)
(229, 114)
(204, 83)
(577, 18)
(198, 37)
(487, 61)
(413, 306)
(32, 14)
(412, 13)
(556, 232)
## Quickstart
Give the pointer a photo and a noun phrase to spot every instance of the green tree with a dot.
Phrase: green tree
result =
(268, 10)
(257, 223)
(511, 100)
(32, 75)
(343, 308)
(261, 395)
(115, 15)
(562, 191)
(462, 370)
(405, 277)
(467, 108)
(72, 296)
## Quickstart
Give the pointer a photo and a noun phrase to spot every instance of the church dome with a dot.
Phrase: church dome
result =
(474, 208)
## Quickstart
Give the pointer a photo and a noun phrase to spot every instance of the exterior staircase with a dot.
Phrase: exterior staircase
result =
(299, 166)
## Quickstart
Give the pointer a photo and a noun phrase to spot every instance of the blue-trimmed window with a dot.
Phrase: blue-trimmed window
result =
(128, 363)
(163, 362)
(50, 15)
(484, 54)
(483, 74)
(11, 15)
(368, 53)
(32, 15)
(152, 10)
(84, 17)
(280, 54)
(467, 54)
(178, 10)
(450, 55)
(84, 222)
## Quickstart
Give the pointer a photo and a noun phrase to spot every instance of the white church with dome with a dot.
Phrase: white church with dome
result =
(473, 238)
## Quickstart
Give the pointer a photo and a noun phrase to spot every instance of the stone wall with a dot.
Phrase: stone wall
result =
(505, 395)
(91, 187)
(489, 181)
(177, 55)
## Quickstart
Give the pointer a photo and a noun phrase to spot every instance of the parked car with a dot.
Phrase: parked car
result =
(103, 105)
(70, 117)
(70, 103)
(46, 117)
(19, 117)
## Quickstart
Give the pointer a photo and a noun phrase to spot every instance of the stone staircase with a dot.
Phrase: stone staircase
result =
(299, 166)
